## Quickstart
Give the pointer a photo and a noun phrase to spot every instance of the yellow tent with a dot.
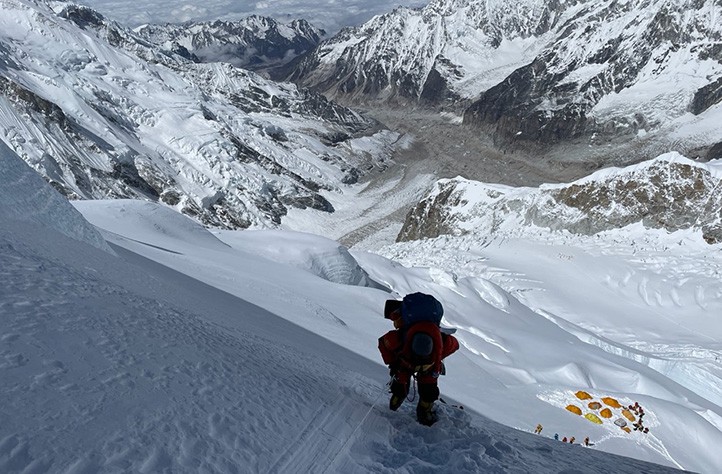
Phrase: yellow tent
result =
(582, 395)
(606, 413)
(595, 405)
(611, 402)
(593, 418)
(574, 409)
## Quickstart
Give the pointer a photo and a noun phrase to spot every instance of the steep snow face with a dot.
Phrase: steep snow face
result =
(253, 43)
(537, 322)
(670, 192)
(612, 67)
(26, 197)
(102, 113)
(133, 365)
(450, 49)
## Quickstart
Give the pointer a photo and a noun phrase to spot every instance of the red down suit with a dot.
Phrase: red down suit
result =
(395, 348)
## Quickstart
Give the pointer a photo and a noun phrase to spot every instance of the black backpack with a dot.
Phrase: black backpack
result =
(417, 307)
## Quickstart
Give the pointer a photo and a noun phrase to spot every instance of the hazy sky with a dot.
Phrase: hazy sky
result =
(330, 15)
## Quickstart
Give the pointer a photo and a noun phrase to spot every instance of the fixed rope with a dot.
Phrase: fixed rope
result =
(360, 423)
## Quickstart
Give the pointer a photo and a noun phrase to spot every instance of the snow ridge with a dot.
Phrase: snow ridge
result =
(26, 197)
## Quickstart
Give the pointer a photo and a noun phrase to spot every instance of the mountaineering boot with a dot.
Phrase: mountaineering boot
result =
(398, 393)
(425, 413)
(395, 402)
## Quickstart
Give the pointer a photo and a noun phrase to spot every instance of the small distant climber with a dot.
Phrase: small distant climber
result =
(571, 440)
(538, 429)
(564, 439)
(417, 348)
(556, 436)
(586, 441)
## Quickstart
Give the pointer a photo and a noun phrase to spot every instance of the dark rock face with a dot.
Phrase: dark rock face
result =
(513, 107)
(715, 152)
(82, 16)
(430, 218)
(436, 90)
(707, 96)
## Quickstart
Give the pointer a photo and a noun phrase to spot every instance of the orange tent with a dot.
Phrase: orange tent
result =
(582, 395)
(628, 415)
(611, 402)
(606, 413)
(574, 409)
(595, 405)
(626, 428)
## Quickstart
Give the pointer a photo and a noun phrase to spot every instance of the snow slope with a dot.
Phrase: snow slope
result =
(511, 368)
(132, 364)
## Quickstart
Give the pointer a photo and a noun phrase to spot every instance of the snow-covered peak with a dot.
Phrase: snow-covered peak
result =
(542, 72)
(446, 50)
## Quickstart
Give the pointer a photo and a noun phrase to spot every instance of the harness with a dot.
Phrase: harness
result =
(415, 364)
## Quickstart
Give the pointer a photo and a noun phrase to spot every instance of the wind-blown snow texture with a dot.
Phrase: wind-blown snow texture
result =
(28, 198)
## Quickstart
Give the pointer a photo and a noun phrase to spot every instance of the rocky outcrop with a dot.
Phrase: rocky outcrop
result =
(432, 217)
(707, 96)
(670, 193)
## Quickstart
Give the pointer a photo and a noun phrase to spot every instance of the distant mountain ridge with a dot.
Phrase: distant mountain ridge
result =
(254, 43)
(538, 72)
(448, 50)
(670, 192)
(103, 113)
